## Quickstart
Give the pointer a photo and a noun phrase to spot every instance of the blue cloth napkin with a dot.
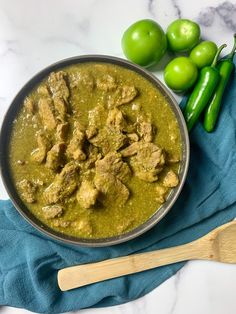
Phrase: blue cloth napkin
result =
(29, 261)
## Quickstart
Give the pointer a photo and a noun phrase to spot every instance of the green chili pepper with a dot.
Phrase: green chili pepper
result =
(225, 68)
(208, 79)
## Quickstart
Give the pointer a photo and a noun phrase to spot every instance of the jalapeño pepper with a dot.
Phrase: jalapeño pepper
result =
(208, 79)
(225, 68)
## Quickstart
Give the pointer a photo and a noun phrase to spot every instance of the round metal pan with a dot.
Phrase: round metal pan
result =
(6, 135)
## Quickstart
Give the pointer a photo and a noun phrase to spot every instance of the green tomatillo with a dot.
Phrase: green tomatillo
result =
(180, 74)
(183, 35)
(144, 43)
(203, 54)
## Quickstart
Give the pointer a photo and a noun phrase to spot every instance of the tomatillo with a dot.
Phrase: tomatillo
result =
(180, 74)
(203, 54)
(183, 35)
(144, 42)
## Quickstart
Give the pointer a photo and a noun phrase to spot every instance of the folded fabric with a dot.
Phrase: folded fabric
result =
(29, 260)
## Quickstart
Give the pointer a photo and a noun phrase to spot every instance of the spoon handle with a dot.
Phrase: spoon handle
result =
(81, 275)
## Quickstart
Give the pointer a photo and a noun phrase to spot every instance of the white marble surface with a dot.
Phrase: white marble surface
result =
(35, 33)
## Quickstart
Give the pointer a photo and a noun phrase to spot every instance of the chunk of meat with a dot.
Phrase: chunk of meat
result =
(148, 161)
(106, 83)
(108, 140)
(91, 132)
(83, 225)
(113, 191)
(75, 147)
(171, 179)
(29, 105)
(109, 137)
(39, 154)
(96, 118)
(52, 211)
(37, 182)
(60, 222)
(93, 155)
(43, 91)
(61, 131)
(87, 174)
(55, 157)
(115, 120)
(161, 193)
(87, 194)
(60, 108)
(114, 165)
(130, 150)
(83, 80)
(145, 129)
(46, 112)
(123, 95)
(27, 190)
(133, 137)
(63, 185)
(58, 85)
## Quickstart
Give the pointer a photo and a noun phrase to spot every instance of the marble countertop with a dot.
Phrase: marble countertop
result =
(35, 33)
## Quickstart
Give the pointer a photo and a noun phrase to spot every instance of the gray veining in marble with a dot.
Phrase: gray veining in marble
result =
(225, 11)
(177, 8)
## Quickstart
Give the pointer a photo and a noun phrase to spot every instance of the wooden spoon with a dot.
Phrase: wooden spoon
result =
(218, 245)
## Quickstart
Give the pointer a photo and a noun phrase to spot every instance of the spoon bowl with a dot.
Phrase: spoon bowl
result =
(224, 244)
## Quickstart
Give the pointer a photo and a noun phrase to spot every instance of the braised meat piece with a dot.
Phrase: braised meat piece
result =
(96, 118)
(115, 120)
(43, 91)
(87, 194)
(93, 155)
(60, 222)
(39, 154)
(47, 113)
(111, 172)
(63, 185)
(55, 157)
(62, 131)
(60, 108)
(122, 95)
(130, 150)
(133, 137)
(29, 105)
(147, 160)
(82, 80)
(58, 85)
(161, 194)
(109, 137)
(75, 147)
(52, 211)
(106, 83)
(113, 191)
(144, 129)
(113, 164)
(171, 179)
(109, 140)
(28, 190)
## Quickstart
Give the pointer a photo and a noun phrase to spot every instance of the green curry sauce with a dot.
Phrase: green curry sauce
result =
(98, 221)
